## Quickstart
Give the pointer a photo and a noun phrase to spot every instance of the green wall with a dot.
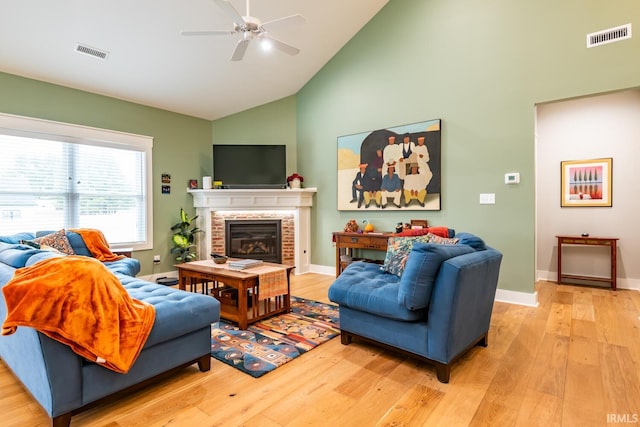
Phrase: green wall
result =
(273, 123)
(481, 68)
(181, 147)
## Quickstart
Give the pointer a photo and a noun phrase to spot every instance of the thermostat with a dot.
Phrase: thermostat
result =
(512, 178)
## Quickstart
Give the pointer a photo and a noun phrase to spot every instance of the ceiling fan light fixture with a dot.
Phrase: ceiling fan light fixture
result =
(266, 43)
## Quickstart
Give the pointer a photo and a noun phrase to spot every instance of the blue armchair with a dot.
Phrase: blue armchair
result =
(438, 308)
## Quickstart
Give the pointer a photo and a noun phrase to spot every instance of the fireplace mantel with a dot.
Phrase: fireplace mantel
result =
(298, 201)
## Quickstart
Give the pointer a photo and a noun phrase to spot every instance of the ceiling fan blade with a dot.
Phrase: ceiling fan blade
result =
(230, 11)
(208, 33)
(284, 47)
(287, 21)
(241, 48)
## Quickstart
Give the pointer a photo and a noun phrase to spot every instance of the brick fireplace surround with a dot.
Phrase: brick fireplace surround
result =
(292, 206)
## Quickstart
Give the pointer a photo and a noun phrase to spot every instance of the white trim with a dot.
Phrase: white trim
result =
(515, 297)
(70, 132)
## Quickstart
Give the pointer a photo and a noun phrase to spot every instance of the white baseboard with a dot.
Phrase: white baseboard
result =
(516, 297)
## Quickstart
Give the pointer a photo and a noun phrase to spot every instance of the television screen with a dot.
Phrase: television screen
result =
(250, 166)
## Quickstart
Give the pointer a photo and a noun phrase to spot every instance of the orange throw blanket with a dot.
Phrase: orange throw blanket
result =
(97, 244)
(76, 300)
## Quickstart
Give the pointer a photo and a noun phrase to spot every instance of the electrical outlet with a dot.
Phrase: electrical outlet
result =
(156, 259)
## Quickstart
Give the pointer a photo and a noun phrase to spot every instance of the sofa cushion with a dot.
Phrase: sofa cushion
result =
(177, 312)
(17, 255)
(471, 240)
(363, 287)
(423, 265)
(57, 240)
(128, 266)
(15, 238)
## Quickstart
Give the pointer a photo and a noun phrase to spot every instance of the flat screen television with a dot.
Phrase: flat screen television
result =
(250, 166)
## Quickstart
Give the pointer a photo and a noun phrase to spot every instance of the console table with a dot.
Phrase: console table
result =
(348, 243)
(611, 242)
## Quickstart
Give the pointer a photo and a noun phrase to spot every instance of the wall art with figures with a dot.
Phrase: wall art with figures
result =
(395, 168)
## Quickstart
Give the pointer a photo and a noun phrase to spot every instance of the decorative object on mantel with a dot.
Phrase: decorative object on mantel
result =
(368, 227)
(183, 238)
(401, 163)
(295, 181)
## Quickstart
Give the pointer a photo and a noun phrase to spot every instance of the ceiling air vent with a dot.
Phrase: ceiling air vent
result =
(92, 51)
(609, 36)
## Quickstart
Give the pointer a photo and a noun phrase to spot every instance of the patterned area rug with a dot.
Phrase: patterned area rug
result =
(275, 341)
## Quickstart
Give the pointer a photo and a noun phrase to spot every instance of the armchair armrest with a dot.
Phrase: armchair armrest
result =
(461, 303)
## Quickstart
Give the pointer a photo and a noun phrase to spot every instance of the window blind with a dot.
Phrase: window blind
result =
(61, 180)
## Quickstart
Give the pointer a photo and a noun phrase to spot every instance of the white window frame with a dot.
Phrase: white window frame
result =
(46, 129)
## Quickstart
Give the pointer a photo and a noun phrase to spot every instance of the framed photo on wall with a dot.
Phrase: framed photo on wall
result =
(398, 168)
(586, 183)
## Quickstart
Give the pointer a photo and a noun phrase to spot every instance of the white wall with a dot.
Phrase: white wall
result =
(588, 128)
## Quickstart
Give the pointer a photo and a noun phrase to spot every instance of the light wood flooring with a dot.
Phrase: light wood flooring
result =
(574, 360)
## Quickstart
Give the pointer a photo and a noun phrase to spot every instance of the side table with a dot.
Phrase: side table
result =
(611, 242)
(346, 243)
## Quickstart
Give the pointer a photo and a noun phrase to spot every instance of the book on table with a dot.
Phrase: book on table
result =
(242, 264)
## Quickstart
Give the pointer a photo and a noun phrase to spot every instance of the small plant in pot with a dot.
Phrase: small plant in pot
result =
(183, 238)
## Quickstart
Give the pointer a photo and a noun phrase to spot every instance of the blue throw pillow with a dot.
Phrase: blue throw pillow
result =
(471, 240)
(421, 271)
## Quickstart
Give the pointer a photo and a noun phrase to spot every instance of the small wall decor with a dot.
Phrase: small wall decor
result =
(586, 182)
(166, 178)
(166, 189)
(193, 184)
(396, 168)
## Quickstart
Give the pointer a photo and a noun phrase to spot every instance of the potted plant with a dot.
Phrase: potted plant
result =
(183, 238)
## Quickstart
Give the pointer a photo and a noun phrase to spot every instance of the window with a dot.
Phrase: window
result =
(56, 175)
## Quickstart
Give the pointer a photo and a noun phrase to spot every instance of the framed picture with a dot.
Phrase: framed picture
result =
(193, 184)
(586, 182)
(398, 168)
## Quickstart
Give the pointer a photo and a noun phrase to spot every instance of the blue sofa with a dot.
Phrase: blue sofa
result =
(64, 383)
(438, 308)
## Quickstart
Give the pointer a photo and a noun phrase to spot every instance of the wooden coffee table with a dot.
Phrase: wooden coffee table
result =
(237, 290)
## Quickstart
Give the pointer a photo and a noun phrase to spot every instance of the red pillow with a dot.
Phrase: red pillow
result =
(414, 232)
(438, 231)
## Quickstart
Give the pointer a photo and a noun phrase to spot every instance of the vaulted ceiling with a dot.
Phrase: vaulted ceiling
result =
(150, 62)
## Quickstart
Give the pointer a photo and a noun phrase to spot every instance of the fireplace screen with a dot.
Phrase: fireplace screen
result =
(255, 239)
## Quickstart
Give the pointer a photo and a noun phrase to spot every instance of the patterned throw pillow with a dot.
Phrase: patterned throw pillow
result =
(398, 250)
(443, 240)
(57, 240)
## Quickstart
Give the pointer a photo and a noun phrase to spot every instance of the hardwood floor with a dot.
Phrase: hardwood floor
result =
(574, 360)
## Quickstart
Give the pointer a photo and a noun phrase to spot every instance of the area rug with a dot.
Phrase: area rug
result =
(272, 342)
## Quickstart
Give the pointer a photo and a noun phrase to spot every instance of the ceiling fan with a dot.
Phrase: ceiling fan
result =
(250, 27)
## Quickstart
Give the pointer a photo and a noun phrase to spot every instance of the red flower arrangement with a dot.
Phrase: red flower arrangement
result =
(295, 176)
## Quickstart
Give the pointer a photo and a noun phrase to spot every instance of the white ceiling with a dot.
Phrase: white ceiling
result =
(151, 63)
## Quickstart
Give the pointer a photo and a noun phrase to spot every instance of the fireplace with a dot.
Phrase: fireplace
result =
(255, 239)
(292, 206)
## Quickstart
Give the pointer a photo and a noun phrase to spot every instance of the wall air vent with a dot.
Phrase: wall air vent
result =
(92, 51)
(609, 36)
